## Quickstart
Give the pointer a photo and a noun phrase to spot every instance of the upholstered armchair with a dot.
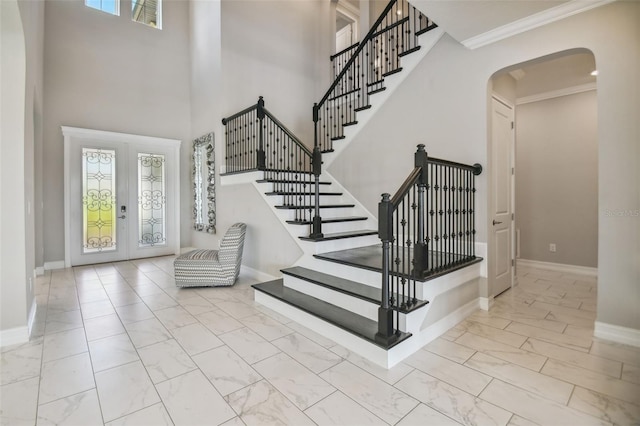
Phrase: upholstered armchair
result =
(206, 268)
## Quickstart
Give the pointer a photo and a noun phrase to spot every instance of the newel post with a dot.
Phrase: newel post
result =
(316, 231)
(385, 334)
(261, 156)
(420, 250)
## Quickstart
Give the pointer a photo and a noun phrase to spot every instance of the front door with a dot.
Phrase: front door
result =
(122, 197)
(502, 208)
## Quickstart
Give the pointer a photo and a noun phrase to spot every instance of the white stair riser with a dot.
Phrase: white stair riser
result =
(330, 228)
(428, 290)
(376, 354)
(342, 300)
(326, 213)
(363, 276)
(339, 244)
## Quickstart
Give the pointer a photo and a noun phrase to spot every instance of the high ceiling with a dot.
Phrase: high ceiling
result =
(554, 73)
(477, 22)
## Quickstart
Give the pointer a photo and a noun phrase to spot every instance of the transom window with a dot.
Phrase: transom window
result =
(109, 6)
(148, 12)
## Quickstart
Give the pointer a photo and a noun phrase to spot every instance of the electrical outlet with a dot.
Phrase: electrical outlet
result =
(552, 248)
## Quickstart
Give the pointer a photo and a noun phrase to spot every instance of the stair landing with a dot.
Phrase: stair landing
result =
(370, 258)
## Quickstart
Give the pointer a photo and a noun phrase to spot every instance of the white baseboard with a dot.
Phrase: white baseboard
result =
(32, 315)
(559, 267)
(485, 303)
(255, 274)
(617, 333)
(481, 251)
(48, 266)
(14, 336)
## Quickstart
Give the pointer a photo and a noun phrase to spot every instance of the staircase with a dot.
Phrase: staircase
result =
(363, 281)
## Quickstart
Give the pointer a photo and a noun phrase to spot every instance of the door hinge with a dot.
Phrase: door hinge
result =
(513, 216)
(513, 262)
(512, 125)
(513, 171)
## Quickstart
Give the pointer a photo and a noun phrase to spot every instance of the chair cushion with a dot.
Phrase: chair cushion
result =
(199, 268)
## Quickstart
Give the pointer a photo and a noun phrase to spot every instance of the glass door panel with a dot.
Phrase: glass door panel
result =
(122, 200)
(98, 200)
(152, 200)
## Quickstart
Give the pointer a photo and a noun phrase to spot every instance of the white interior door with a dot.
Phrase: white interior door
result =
(502, 208)
(344, 38)
(121, 197)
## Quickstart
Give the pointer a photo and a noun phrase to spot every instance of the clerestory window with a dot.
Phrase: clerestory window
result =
(109, 6)
(148, 12)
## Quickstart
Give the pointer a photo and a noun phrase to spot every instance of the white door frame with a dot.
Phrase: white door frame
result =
(71, 133)
(490, 216)
(349, 11)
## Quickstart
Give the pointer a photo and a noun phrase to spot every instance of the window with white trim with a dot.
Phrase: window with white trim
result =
(148, 12)
(109, 6)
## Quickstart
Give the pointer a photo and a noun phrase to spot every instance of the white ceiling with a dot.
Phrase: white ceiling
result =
(555, 73)
(478, 22)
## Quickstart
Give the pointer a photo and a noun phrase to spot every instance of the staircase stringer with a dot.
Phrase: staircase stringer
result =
(296, 231)
(409, 62)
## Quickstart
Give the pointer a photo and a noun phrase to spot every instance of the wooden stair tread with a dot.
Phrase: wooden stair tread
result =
(297, 182)
(322, 206)
(330, 194)
(329, 220)
(370, 258)
(346, 320)
(342, 235)
(359, 290)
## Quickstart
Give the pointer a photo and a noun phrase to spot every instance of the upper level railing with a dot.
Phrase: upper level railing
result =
(256, 140)
(427, 229)
(394, 34)
(340, 59)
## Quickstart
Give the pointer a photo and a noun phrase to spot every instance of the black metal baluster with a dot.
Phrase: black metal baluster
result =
(461, 208)
(469, 224)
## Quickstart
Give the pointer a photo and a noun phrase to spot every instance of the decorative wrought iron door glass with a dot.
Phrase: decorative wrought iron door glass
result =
(98, 200)
(151, 200)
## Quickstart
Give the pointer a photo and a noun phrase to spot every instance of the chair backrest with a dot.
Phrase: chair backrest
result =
(231, 246)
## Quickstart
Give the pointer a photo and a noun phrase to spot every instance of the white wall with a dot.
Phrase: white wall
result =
(108, 73)
(22, 81)
(13, 256)
(557, 179)
(275, 49)
(444, 105)
(279, 50)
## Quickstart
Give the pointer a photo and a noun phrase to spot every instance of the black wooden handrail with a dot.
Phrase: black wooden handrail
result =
(360, 70)
(476, 169)
(241, 113)
(345, 50)
(288, 133)
(409, 182)
(363, 43)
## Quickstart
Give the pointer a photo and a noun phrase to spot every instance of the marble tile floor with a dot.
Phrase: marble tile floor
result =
(119, 344)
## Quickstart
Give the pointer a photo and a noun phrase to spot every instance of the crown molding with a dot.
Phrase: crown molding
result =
(536, 20)
(556, 93)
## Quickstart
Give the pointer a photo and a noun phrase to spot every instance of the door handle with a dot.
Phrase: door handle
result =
(122, 217)
(496, 223)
